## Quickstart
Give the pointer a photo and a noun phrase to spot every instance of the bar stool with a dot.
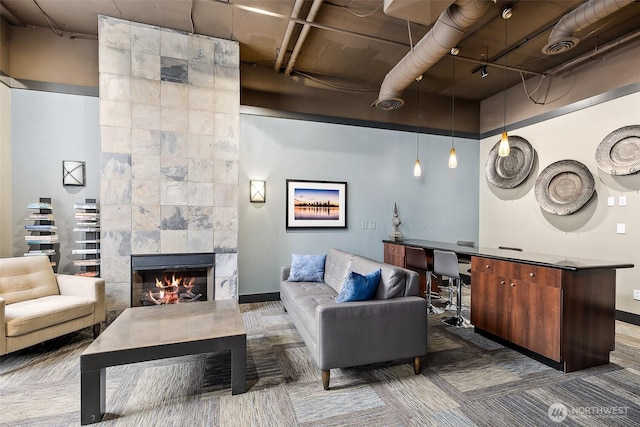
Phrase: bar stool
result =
(445, 263)
(417, 260)
(465, 262)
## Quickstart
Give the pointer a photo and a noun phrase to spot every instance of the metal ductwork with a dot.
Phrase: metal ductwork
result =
(562, 37)
(446, 33)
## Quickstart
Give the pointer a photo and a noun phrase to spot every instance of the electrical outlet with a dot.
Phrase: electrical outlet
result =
(373, 225)
(622, 201)
(365, 225)
(636, 294)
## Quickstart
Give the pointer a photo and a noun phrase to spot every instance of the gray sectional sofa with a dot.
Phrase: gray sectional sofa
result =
(391, 326)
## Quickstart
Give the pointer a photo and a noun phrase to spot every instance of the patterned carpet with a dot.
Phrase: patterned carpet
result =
(467, 380)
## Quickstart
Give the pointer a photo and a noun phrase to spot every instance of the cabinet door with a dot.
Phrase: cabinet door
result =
(394, 254)
(534, 321)
(489, 303)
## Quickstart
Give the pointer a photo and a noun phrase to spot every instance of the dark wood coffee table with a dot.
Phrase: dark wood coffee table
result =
(141, 334)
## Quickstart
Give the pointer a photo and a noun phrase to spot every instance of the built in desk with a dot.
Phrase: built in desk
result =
(559, 310)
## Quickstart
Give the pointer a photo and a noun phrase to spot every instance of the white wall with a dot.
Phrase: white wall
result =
(514, 218)
(378, 167)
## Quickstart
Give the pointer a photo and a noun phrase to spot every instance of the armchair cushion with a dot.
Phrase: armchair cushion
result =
(26, 278)
(28, 316)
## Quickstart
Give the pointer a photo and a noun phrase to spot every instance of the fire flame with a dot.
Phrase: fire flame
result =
(168, 290)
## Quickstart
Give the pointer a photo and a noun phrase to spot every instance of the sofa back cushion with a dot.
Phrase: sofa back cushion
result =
(24, 278)
(337, 267)
(392, 279)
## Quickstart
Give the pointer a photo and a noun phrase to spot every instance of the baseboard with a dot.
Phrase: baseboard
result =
(624, 316)
(270, 296)
(533, 355)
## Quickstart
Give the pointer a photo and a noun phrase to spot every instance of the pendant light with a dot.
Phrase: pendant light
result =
(417, 170)
(504, 149)
(453, 161)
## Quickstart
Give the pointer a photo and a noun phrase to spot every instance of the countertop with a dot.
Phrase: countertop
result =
(544, 260)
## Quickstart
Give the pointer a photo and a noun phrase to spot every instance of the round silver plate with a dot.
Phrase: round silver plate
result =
(511, 170)
(619, 152)
(564, 187)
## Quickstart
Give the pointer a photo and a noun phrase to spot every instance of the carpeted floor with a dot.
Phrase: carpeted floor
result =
(467, 380)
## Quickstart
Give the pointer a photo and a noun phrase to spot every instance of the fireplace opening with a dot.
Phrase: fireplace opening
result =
(171, 279)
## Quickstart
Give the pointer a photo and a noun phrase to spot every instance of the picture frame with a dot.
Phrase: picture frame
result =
(73, 173)
(315, 204)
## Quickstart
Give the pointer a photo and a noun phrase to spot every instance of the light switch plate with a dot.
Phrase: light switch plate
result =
(611, 201)
(620, 229)
(622, 201)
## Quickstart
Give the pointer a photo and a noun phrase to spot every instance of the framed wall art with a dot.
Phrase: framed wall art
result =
(316, 204)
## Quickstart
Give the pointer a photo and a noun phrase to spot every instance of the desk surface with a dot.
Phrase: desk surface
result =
(545, 260)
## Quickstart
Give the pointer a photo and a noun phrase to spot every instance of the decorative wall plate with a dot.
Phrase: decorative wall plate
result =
(510, 171)
(619, 152)
(564, 187)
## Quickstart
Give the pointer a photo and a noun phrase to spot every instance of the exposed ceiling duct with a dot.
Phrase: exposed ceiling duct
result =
(447, 31)
(562, 37)
(297, 7)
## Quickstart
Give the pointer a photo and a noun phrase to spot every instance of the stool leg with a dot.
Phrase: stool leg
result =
(449, 305)
(431, 309)
(458, 320)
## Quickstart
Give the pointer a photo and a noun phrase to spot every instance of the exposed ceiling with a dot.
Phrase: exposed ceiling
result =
(353, 44)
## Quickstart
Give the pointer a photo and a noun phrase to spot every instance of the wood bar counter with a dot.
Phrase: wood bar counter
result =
(560, 310)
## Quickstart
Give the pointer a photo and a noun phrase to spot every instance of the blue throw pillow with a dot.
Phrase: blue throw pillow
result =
(307, 268)
(357, 287)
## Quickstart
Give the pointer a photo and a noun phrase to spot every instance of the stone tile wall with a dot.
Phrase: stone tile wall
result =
(169, 124)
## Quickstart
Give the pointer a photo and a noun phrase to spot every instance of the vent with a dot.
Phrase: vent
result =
(559, 46)
(389, 104)
(445, 34)
(562, 37)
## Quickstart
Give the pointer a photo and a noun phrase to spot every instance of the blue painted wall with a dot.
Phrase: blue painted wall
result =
(47, 128)
(377, 164)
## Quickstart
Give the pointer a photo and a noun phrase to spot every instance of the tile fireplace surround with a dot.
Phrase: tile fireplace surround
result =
(169, 126)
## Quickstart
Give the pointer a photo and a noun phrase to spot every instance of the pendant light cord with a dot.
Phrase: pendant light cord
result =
(504, 120)
(418, 117)
(453, 98)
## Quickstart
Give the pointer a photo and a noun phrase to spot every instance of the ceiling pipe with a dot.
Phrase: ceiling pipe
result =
(302, 37)
(287, 35)
(562, 37)
(9, 16)
(445, 34)
(560, 69)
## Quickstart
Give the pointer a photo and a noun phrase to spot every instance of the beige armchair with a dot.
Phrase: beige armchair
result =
(37, 305)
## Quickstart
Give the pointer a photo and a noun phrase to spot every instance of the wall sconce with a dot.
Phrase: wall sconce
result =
(257, 191)
(72, 173)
